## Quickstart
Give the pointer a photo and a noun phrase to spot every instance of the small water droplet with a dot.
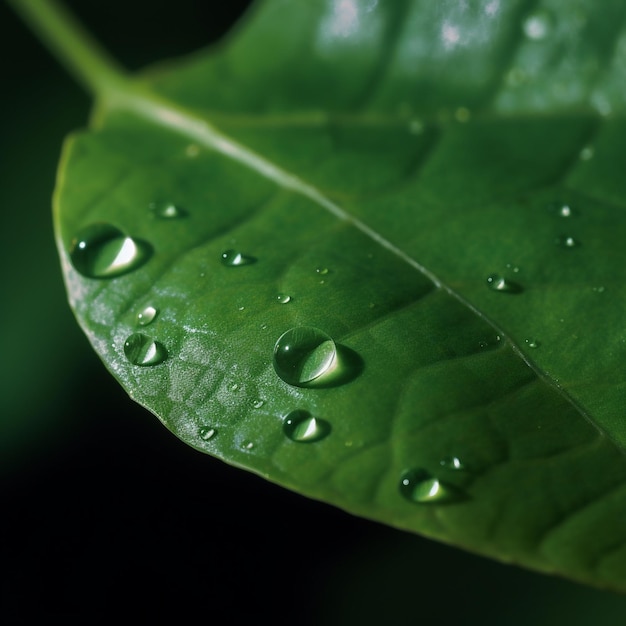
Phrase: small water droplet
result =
(322, 271)
(147, 315)
(452, 462)
(538, 25)
(532, 343)
(234, 258)
(143, 350)
(247, 445)
(304, 354)
(513, 268)
(205, 433)
(562, 209)
(241, 308)
(283, 298)
(566, 241)
(502, 285)
(234, 387)
(421, 487)
(103, 251)
(599, 289)
(263, 326)
(462, 115)
(586, 154)
(302, 427)
(257, 404)
(167, 210)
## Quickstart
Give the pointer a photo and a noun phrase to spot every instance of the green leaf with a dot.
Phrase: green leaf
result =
(435, 186)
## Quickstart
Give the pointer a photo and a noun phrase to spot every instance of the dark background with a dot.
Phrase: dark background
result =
(104, 514)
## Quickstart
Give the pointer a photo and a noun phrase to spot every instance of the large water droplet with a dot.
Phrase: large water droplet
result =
(147, 315)
(283, 298)
(496, 282)
(234, 258)
(103, 251)
(421, 487)
(302, 427)
(167, 210)
(304, 354)
(143, 350)
(566, 241)
(538, 25)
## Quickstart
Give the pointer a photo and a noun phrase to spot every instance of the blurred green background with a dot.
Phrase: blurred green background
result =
(104, 512)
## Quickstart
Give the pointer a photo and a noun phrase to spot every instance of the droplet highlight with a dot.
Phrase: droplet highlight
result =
(567, 242)
(167, 211)
(499, 283)
(144, 351)
(234, 258)
(421, 487)
(302, 427)
(452, 462)
(206, 433)
(147, 315)
(304, 354)
(103, 251)
(538, 25)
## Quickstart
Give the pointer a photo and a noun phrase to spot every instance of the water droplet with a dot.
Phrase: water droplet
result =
(462, 115)
(538, 25)
(234, 387)
(565, 241)
(586, 154)
(241, 308)
(257, 404)
(167, 211)
(143, 350)
(562, 209)
(421, 487)
(103, 251)
(600, 289)
(147, 316)
(302, 427)
(205, 433)
(513, 268)
(322, 271)
(532, 343)
(283, 298)
(452, 462)
(503, 285)
(233, 258)
(304, 354)
(247, 445)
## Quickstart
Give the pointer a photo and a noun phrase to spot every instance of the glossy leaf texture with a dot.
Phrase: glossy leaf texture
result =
(431, 196)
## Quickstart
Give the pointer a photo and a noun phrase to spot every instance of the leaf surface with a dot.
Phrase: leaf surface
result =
(435, 186)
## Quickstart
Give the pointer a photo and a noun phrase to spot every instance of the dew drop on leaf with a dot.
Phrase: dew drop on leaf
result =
(452, 462)
(566, 241)
(304, 354)
(167, 210)
(234, 258)
(538, 25)
(322, 271)
(283, 298)
(421, 487)
(495, 282)
(532, 343)
(206, 433)
(147, 315)
(103, 251)
(143, 350)
(302, 427)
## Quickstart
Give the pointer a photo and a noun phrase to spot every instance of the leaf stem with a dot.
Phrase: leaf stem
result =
(78, 52)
